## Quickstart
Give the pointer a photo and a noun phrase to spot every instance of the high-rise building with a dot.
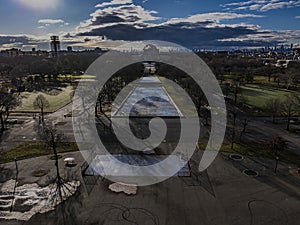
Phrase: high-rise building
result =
(55, 44)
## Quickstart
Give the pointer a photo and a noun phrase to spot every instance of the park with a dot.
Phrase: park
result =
(254, 179)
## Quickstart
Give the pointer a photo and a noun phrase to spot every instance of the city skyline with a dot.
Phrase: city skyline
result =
(107, 24)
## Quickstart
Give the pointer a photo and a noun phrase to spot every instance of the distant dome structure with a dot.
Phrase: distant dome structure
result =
(150, 52)
(150, 49)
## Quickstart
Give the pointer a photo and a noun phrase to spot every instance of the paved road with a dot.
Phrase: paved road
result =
(19, 133)
(262, 129)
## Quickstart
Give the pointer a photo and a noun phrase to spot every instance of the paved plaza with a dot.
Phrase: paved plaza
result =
(221, 195)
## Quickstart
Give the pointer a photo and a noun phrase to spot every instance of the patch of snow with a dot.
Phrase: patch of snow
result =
(37, 199)
(129, 189)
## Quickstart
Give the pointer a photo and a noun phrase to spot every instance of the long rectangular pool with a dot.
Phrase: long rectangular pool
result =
(148, 101)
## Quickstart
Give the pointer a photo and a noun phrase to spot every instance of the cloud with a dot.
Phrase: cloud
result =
(125, 14)
(206, 30)
(278, 5)
(140, 18)
(116, 24)
(266, 36)
(114, 2)
(261, 5)
(51, 21)
(22, 41)
(29, 47)
(202, 35)
(213, 17)
(297, 17)
(254, 7)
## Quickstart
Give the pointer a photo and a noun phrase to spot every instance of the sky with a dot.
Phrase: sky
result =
(86, 24)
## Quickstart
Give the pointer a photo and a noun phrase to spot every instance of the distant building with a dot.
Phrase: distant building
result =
(55, 44)
(14, 52)
(149, 67)
(284, 63)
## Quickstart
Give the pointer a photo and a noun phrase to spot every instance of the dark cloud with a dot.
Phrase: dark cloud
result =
(206, 30)
(19, 41)
(186, 34)
(107, 19)
(13, 39)
(120, 14)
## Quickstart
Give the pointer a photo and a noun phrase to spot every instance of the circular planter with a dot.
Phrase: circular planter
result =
(250, 173)
(236, 157)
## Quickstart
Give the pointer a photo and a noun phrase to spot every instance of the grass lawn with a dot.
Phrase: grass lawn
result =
(33, 149)
(258, 150)
(263, 79)
(74, 77)
(178, 99)
(56, 101)
(257, 95)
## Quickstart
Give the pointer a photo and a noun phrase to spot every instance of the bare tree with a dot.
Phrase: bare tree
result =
(234, 112)
(8, 101)
(278, 144)
(107, 95)
(41, 103)
(245, 121)
(273, 106)
(290, 108)
(232, 134)
(294, 69)
(236, 85)
(288, 79)
(54, 138)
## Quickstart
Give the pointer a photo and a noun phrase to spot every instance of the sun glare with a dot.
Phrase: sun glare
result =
(40, 4)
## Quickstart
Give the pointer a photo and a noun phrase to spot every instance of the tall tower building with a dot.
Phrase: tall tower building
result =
(55, 44)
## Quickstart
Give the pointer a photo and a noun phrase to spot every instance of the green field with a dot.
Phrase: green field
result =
(56, 100)
(179, 100)
(34, 149)
(257, 95)
(75, 77)
(263, 79)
